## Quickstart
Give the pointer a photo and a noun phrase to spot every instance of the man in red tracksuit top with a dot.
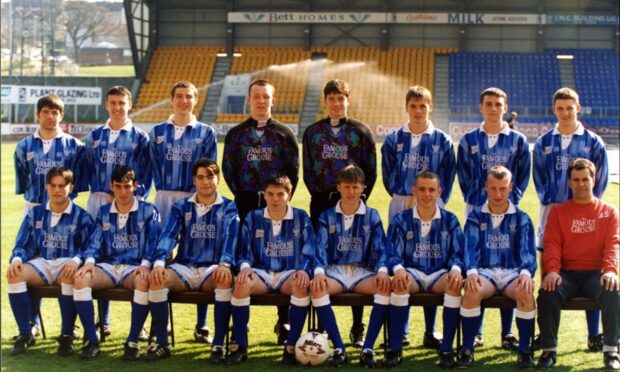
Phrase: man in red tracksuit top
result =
(580, 259)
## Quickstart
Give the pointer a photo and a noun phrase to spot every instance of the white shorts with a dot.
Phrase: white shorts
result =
(425, 281)
(273, 280)
(48, 270)
(27, 207)
(543, 214)
(500, 278)
(193, 277)
(165, 199)
(348, 275)
(95, 201)
(117, 273)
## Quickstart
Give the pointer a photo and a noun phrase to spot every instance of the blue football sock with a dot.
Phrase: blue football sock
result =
(451, 319)
(399, 311)
(430, 314)
(297, 318)
(221, 315)
(326, 316)
(479, 329)
(377, 317)
(201, 315)
(67, 314)
(139, 311)
(86, 310)
(593, 318)
(506, 314)
(240, 310)
(21, 306)
(525, 325)
(105, 311)
(158, 304)
(470, 320)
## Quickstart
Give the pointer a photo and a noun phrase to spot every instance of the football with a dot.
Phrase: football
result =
(312, 348)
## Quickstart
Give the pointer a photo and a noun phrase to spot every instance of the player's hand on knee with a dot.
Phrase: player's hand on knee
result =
(382, 282)
(301, 278)
(142, 272)
(319, 283)
(68, 270)
(223, 275)
(551, 281)
(473, 283)
(88, 268)
(401, 280)
(454, 280)
(157, 276)
(14, 270)
(244, 276)
(525, 283)
(610, 282)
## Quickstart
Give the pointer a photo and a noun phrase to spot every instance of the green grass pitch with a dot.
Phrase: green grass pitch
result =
(264, 353)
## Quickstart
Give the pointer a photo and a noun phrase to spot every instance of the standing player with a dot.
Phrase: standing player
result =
(328, 146)
(48, 251)
(350, 245)
(553, 152)
(426, 255)
(36, 154)
(500, 256)
(276, 254)
(494, 143)
(117, 143)
(205, 226)
(175, 146)
(124, 241)
(416, 147)
(256, 150)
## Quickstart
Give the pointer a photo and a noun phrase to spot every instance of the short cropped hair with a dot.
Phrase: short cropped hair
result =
(184, 84)
(118, 90)
(261, 83)
(336, 86)
(351, 173)
(63, 172)
(51, 101)
(495, 92)
(419, 92)
(282, 182)
(123, 174)
(499, 172)
(565, 93)
(581, 164)
(427, 175)
(211, 167)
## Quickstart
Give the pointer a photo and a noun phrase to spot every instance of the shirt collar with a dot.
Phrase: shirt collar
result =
(66, 211)
(127, 127)
(511, 208)
(134, 207)
(436, 216)
(505, 128)
(191, 123)
(287, 216)
(360, 210)
(218, 199)
(579, 131)
(59, 133)
(429, 129)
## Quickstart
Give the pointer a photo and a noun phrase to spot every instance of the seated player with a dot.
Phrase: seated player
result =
(425, 253)
(500, 257)
(125, 237)
(350, 242)
(205, 226)
(275, 254)
(48, 251)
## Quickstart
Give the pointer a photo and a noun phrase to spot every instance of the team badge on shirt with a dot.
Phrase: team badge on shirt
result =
(296, 232)
(409, 235)
(106, 226)
(159, 139)
(435, 148)
(474, 149)
(513, 227)
(548, 150)
(29, 156)
(188, 216)
(483, 226)
(260, 233)
(332, 229)
(38, 224)
(219, 215)
(399, 147)
(514, 148)
(140, 225)
(444, 235)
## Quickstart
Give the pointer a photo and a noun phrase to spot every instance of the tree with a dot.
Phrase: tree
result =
(83, 21)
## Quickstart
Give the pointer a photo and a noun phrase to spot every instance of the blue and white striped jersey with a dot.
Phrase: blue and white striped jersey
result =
(403, 159)
(68, 238)
(440, 248)
(551, 163)
(207, 235)
(131, 148)
(363, 243)
(510, 245)
(292, 249)
(32, 164)
(475, 158)
(172, 157)
(125, 239)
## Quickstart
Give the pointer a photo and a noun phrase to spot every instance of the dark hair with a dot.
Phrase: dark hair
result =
(210, 165)
(426, 174)
(123, 174)
(499, 172)
(184, 84)
(495, 92)
(50, 101)
(280, 181)
(63, 172)
(336, 86)
(581, 164)
(118, 90)
(565, 93)
(351, 173)
(261, 83)
(419, 92)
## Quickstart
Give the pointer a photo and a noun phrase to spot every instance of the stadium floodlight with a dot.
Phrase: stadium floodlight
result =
(565, 56)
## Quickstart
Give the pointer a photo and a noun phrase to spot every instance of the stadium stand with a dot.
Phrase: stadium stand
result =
(596, 78)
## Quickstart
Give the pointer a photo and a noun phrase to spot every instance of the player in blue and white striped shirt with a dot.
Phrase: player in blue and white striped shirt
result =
(553, 152)
(275, 254)
(175, 146)
(48, 250)
(205, 226)
(120, 255)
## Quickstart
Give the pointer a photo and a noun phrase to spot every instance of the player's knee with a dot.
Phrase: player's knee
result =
(81, 282)
(242, 289)
(472, 298)
(140, 283)
(300, 291)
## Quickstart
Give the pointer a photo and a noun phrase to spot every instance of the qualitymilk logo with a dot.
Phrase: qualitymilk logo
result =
(359, 17)
(254, 17)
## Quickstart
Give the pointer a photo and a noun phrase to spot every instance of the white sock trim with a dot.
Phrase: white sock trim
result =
(66, 289)
(158, 296)
(470, 313)
(525, 314)
(223, 295)
(302, 301)
(610, 349)
(382, 300)
(452, 302)
(84, 294)
(399, 300)
(550, 349)
(321, 301)
(141, 298)
(234, 301)
(20, 287)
